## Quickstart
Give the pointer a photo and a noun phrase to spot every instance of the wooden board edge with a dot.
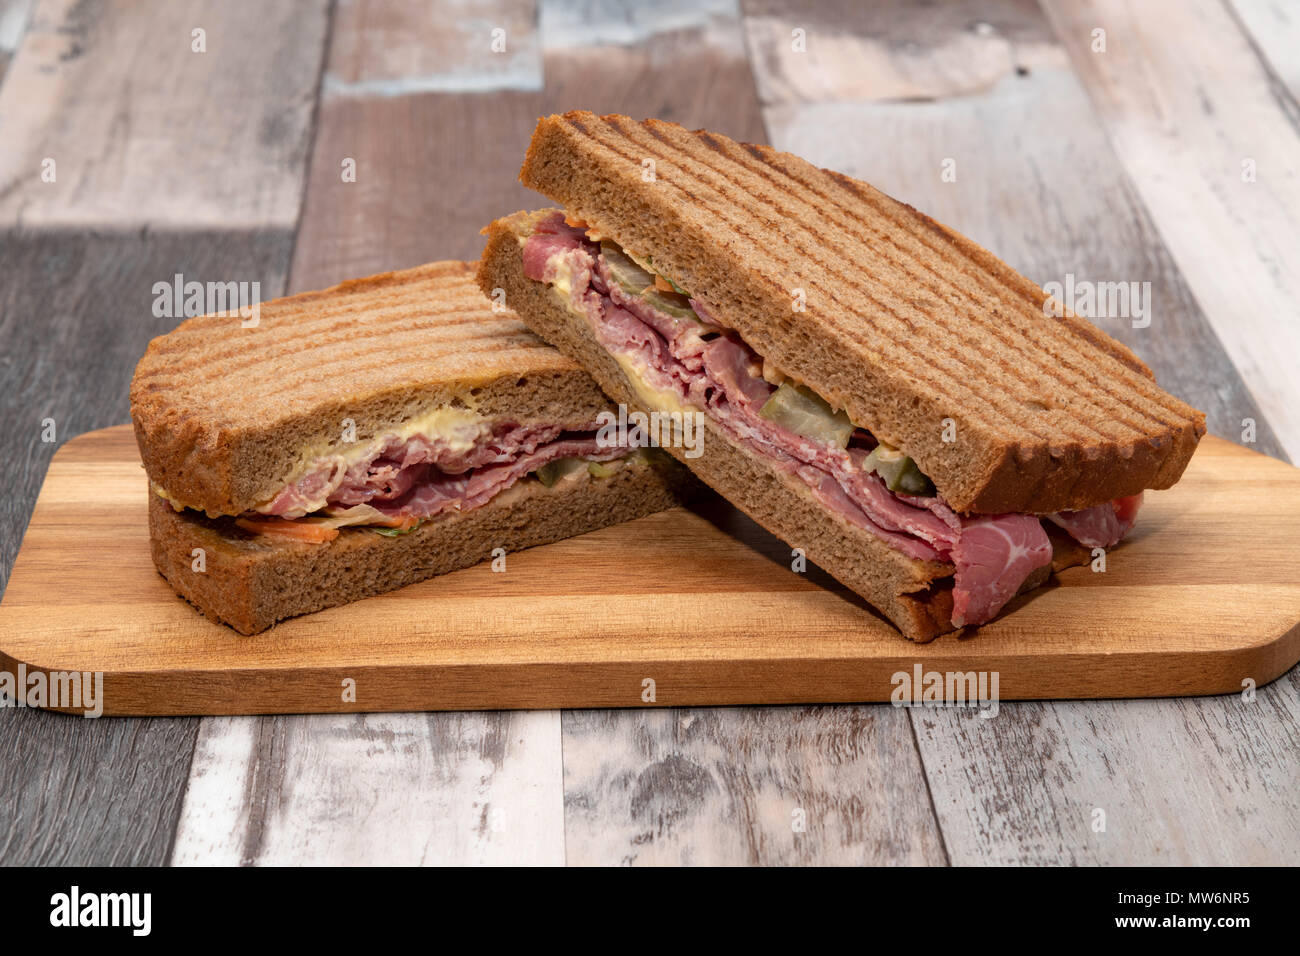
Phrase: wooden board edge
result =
(88, 440)
(433, 687)
(619, 685)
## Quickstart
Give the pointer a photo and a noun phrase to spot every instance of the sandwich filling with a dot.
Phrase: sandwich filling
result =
(405, 477)
(679, 358)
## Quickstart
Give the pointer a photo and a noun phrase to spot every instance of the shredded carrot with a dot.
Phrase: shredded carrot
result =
(298, 530)
(394, 522)
(663, 285)
(575, 223)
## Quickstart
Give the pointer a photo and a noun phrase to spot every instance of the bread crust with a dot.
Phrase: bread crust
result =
(908, 325)
(221, 414)
(250, 582)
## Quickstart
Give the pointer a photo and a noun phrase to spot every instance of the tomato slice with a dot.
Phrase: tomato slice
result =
(1126, 508)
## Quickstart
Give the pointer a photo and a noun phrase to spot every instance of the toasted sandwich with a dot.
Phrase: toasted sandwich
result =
(366, 437)
(875, 389)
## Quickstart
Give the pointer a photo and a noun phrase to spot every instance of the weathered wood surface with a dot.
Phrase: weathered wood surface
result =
(1209, 139)
(392, 789)
(1050, 203)
(75, 315)
(144, 130)
(435, 155)
(727, 786)
(1198, 781)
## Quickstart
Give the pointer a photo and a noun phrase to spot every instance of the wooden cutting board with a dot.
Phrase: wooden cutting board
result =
(1204, 596)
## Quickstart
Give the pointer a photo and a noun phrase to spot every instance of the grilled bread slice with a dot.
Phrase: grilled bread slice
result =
(225, 416)
(915, 595)
(251, 581)
(925, 339)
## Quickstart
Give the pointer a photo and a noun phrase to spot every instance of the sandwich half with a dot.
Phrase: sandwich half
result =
(368, 436)
(874, 388)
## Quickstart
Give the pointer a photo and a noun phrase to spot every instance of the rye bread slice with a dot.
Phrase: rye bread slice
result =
(252, 581)
(916, 596)
(916, 331)
(222, 414)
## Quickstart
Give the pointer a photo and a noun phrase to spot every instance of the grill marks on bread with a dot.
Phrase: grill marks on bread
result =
(908, 323)
(913, 257)
(429, 321)
(1009, 356)
(223, 415)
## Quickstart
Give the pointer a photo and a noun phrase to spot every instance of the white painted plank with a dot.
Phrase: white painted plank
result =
(586, 25)
(735, 786)
(391, 789)
(1189, 107)
(1274, 27)
(14, 15)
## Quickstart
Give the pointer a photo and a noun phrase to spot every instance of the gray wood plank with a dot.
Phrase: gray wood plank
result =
(143, 128)
(1200, 781)
(75, 315)
(1190, 781)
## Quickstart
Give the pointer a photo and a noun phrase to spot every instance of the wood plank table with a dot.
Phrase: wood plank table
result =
(1155, 142)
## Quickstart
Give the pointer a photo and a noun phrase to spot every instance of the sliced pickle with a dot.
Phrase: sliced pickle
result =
(648, 264)
(624, 271)
(678, 306)
(898, 472)
(396, 532)
(553, 472)
(600, 469)
(804, 412)
(638, 281)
